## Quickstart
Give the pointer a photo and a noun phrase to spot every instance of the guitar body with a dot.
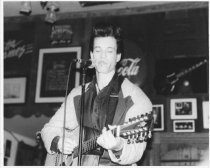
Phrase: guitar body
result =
(165, 85)
(51, 159)
(87, 160)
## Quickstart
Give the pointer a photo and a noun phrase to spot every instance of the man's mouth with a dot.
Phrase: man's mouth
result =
(102, 63)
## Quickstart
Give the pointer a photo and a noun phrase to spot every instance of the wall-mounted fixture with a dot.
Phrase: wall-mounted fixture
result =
(93, 3)
(25, 8)
(52, 8)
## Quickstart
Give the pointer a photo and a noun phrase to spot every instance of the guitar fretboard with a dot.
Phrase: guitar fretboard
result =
(191, 68)
(86, 146)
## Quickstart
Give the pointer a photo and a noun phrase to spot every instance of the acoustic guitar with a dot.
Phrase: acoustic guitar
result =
(136, 130)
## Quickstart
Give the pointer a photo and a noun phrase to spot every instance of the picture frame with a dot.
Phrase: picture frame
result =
(158, 115)
(52, 73)
(205, 106)
(183, 126)
(7, 151)
(184, 108)
(14, 90)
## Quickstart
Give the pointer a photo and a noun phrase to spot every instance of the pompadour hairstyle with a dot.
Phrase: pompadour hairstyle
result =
(107, 30)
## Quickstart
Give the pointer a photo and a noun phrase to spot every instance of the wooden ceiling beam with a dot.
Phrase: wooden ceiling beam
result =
(164, 7)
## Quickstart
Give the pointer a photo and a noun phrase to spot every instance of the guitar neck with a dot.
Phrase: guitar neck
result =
(186, 71)
(90, 144)
(86, 146)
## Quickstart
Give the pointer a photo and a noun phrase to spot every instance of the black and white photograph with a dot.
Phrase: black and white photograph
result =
(158, 115)
(53, 71)
(14, 90)
(104, 83)
(183, 108)
(184, 126)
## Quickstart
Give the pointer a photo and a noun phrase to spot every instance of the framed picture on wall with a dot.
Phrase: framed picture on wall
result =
(205, 105)
(185, 108)
(52, 73)
(14, 90)
(158, 115)
(7, 151)
(184, 126)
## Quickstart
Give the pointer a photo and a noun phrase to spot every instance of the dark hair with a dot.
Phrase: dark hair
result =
(105, 30)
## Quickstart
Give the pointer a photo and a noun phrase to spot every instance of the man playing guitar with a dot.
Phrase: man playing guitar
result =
(109, 100)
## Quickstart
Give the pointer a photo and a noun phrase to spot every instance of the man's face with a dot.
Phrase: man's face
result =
(104, 55)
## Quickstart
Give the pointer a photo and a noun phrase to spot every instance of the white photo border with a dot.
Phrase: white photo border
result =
(38, 98)
(184, 130)
(11, 84)
(205, 107)
(179, 100)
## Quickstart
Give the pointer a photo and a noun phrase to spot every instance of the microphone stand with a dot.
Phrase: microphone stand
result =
(84, 68)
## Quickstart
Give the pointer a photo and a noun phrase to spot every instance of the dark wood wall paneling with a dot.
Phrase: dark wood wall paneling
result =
(41, 38)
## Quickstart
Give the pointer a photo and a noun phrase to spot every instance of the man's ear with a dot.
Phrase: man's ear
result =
(118, 57)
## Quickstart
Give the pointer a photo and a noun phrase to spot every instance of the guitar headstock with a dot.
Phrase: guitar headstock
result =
(137, 129)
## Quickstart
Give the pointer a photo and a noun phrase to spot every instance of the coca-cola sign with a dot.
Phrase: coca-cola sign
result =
(133, 65)
(129, 67)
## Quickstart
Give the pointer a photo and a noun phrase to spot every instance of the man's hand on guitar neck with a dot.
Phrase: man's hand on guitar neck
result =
(109, 142)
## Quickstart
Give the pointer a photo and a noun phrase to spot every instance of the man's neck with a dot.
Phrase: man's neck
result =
(104, 79)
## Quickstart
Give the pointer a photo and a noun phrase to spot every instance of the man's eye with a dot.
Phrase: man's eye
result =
(97, 51)
(110, 51)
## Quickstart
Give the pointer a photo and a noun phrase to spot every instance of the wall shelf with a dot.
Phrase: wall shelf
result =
(175, 149)
(170, 137)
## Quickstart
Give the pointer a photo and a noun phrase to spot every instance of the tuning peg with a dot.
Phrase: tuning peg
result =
(129, 137)
(140, 135)
(145, 136)
(142, 124)
(145, 129)
(146, 118)
(136, 135)
(133, 138)
(124, 134)
(150, 134)
(141, 119)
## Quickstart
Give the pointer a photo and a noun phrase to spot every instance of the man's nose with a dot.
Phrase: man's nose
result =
(103, 54)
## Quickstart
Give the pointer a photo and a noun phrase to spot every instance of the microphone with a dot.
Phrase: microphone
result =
(84, 62)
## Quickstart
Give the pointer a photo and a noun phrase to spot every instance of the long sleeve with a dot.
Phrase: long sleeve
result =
(132, 153)
(55, 126)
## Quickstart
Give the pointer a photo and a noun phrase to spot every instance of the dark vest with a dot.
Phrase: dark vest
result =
(92, 126)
